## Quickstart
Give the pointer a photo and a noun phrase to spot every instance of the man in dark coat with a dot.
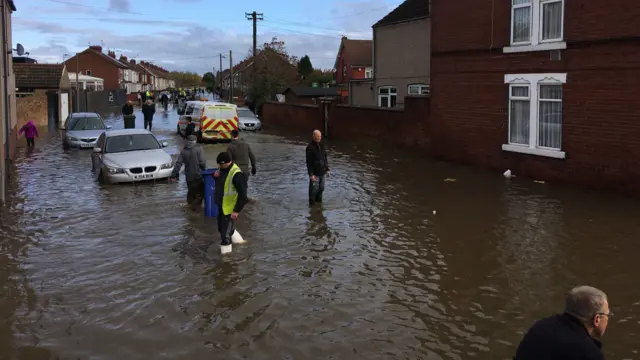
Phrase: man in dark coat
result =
(148, 109)
(192, 157)
(573, 335)
(317, 167)
(127, 109)
(242, 155)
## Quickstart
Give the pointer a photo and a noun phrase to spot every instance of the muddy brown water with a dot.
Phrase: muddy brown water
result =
(123, 272)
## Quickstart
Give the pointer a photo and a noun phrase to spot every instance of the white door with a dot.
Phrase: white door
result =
(64, 108)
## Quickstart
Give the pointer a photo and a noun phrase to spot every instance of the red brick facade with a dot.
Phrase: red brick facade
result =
(600, 106)
(99, 66)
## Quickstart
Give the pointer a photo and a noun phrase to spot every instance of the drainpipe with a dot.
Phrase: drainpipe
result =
(5, 76)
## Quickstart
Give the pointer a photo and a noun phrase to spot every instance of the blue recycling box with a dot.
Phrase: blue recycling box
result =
(210, 206)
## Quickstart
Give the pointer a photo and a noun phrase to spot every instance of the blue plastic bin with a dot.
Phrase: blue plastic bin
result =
(210, 206)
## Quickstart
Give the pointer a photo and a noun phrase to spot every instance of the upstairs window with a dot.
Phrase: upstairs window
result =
(368, 73)
(537, 25)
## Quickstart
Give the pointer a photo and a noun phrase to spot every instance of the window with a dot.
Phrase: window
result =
(537, 25)
(387, 96)
(79, 123)
(344, 71)
(418, 89)
(134, 142)
(535, 114)
(88, 72)
(368, 73)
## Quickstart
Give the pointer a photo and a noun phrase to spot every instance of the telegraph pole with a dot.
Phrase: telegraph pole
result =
(254, 16)
(220, 71)
(230, 77)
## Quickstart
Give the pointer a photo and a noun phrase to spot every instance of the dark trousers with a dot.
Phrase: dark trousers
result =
(226, 227)
(195, 193)
(316, 188)
(30, 142)
(246, 173)
(148, 122)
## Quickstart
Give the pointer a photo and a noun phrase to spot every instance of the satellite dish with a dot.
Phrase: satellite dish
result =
(20, 49)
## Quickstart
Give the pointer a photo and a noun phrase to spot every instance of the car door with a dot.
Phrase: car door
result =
(96, 157)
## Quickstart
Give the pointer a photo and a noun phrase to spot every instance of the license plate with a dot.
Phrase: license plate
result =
(86, 145)
(143, 177)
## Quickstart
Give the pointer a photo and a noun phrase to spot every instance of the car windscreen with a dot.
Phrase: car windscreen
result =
(245, 113)
(133, 142)
(86, 123)
(220, 112)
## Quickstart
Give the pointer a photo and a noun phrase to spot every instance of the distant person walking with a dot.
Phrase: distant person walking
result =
(573, 335)
(317, 167)
(231, 196)
(242, 155)
(192, 157)
(148, 109)
(30, 132)
(127, 109)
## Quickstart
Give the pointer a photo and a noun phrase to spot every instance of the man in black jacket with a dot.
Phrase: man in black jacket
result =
(148, 109)
(127, 109)
(317, 167)
(192, 157)
(231, 197)
(574, 335)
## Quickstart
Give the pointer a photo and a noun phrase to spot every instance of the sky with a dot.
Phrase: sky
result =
(189, 35)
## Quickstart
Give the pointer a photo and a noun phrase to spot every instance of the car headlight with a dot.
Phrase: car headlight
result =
(72, 139)
(168, 165)
(116, 171)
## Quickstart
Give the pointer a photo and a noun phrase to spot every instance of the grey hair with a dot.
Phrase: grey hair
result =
(584, 302)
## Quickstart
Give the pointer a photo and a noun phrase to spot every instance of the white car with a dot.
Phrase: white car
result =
(130, 155)
(248, 121)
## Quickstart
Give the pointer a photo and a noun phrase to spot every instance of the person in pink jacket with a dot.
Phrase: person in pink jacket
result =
(30, 132)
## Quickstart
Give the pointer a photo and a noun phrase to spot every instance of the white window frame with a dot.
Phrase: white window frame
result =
(389, 95)
(368, 73)
(533, 81)
(536, 43)
(423, 89)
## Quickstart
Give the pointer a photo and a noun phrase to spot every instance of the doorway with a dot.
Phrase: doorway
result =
(52, 109)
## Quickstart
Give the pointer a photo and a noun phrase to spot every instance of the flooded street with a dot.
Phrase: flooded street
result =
(123, 272)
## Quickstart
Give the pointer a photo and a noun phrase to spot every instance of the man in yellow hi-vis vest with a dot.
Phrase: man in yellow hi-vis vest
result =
(231, 196)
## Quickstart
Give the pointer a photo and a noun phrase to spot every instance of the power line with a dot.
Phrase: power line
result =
(386, 7)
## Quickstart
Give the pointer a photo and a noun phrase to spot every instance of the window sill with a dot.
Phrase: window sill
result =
(561, 45)
(534, 151)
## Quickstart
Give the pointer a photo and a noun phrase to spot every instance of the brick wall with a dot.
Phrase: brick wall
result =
(33, 108)
(408, 127)
(600, 129)
(99, 67)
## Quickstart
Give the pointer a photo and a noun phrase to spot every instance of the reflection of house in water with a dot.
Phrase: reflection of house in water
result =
(530, 245)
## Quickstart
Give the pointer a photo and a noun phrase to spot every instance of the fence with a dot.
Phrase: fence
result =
(98, 101)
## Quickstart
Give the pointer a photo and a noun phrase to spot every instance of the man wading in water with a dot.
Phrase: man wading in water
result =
(230, 196)
(241, 154)
(317, 167)
(192, 157)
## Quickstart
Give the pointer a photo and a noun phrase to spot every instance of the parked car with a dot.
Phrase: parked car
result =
(81, 130)
(130, 155)
(248, 121)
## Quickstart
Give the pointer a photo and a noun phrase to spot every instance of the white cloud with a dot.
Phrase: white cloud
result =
(179, 45)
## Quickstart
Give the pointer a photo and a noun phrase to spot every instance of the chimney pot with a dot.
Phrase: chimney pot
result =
(96, 47)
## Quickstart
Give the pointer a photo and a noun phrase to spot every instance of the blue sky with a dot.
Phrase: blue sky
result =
(189, 34)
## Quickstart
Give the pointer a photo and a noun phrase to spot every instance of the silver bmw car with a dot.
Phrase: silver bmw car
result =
(81, 130)
(130, 155)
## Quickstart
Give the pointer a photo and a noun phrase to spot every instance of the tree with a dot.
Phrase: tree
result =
(185, 79)
(305, 68)
(209, 80)
(318, 76)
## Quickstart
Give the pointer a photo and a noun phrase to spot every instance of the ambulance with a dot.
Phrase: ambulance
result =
(213, 121)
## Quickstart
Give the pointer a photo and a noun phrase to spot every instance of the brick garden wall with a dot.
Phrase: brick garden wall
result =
(408, 127)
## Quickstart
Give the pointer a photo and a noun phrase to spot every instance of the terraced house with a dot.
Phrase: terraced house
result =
(547, 88)
(8, 119)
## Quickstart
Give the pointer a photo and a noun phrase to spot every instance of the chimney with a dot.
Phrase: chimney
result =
(123, 58)
(112, 54)
(132, 61)
(96, 47)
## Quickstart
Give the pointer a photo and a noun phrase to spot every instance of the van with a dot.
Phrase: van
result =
(213, 121)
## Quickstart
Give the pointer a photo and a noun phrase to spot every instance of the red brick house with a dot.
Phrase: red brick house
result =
(353, 62)
(94, 62)
(546, 88)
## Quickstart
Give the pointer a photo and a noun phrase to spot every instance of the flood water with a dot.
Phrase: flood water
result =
(124, 272)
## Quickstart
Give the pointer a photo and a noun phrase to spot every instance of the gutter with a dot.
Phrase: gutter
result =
(5, 76)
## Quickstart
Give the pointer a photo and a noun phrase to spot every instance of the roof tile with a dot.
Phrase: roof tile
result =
(38, 76)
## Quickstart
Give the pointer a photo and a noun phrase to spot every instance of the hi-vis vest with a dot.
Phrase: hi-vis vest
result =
(230, 197)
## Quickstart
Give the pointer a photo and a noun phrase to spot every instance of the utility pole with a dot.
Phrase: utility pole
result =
(230, 77)
(220, 71)
(254, 16)
(78, 82)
